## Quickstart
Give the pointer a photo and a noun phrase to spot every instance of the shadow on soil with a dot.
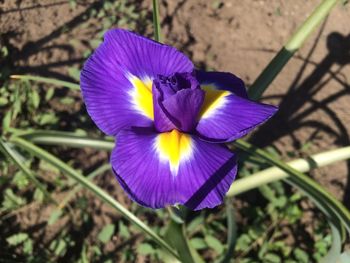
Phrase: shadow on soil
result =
(290, 117)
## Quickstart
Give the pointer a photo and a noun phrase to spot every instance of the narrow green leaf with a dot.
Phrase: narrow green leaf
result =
(34, 98)
(335, 250)
(274, 173)
(344, 258)
(231, 232)
(67, 139)
(295, 42)
(49, 94)
(176, 236)
(73, 174)
(56, 82)
(156, 21)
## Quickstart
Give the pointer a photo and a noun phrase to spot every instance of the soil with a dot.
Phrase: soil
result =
(241, 37)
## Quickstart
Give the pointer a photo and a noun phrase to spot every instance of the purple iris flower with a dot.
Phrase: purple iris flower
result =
(171, 121)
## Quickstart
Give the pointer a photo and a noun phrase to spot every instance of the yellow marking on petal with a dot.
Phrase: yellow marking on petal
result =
(213, 99)
(174, 147)
(143, 95)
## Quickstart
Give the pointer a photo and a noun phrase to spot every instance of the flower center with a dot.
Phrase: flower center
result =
(177, 100)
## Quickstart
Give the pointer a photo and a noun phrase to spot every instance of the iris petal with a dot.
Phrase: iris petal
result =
(222, 81)
(157, 170)
(230, 117)
(116, 79)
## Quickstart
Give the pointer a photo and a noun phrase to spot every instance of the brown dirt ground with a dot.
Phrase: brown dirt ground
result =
(229, 35)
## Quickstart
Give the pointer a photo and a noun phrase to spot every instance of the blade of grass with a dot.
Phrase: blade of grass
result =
(73, 174)
(55, 82)
(294, 43)
(18, 159)
(301, 181)
(156, 21)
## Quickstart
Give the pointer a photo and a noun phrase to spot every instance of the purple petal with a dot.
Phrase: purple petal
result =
(116, 81)
(227, 117)
(157, 170)
(177, 100)
(222, 81)
(162, 121)
(183, 108)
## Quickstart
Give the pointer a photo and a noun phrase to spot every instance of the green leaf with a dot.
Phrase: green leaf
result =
(3, 101)
(34, 99)
(106, 233)
(12, 201)
(344, 258)
(56, 82)
(123, 230)
(272, 258)
(177, 237)
(214, 243)
(47, 118)
(6, 121)
(74, 73)
(67, 100)
(49, 94)
(145, 249)
(39, 195)
(17, 239)
(294, 43)
(195, 223)
(28, 247)
(20, 180)
(300, 255)
(335, 250)
(198, 243)
(56, 214)
(67, 139)
(231, 231)
(156, 21)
